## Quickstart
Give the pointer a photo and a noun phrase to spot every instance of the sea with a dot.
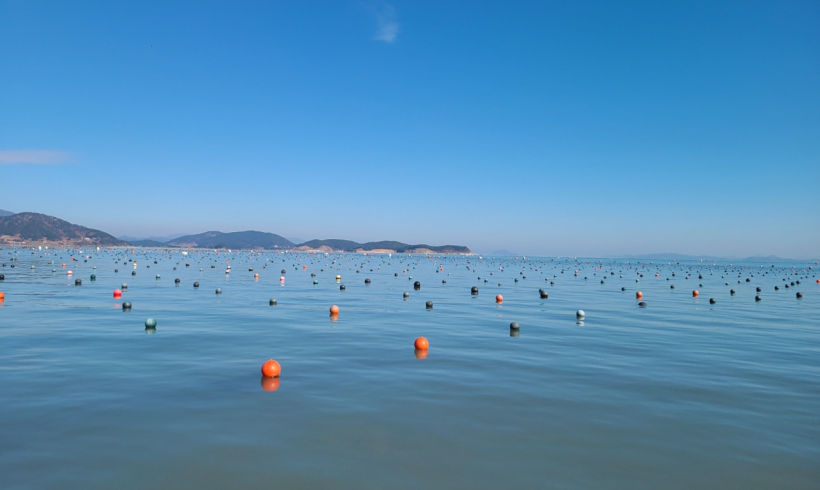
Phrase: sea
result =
(715, 391)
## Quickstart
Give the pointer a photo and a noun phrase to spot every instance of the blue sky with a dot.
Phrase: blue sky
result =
(558, 128)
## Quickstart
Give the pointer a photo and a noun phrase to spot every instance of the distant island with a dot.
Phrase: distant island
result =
(40, 229)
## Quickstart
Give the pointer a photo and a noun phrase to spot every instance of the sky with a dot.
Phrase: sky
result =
(541, 127)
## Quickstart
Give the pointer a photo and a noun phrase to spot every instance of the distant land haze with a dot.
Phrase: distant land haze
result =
(41, 229)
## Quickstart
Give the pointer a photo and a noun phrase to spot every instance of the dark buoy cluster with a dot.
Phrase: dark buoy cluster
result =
(126, 306)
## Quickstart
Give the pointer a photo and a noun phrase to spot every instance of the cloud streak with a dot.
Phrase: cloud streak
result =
(387, 26)
(33, 157)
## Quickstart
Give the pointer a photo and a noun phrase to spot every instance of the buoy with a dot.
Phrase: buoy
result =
(416, 285)
(474, 290)
(342, 287)
(218, 291)
(499, 299)
(367, 281)
(406, 294)
(757, 298)
(712, 301)
(799, 295)
(93, 277)
(196, 284)
(514, 326)
(338, 278)
(695, 293)
(69, 273)
(150, 323)
(176, 281)
(543, 294)
(256, 276)
(334, 310)
(2, 295)
(732, 292)
(126, 305)
(271, 369)
(580, 314)
(272, 302)
(639, 295)
(429, 305)
(421, 343)
(117, 293)
(78, 282)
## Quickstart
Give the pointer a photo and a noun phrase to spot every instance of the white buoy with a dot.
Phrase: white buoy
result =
(580, 314)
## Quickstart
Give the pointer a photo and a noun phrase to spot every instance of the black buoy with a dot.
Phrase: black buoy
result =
(799, 295)
(272, 302)
(543, 294)
(78, 282)
(758, 289)
(417, 285)
(2, 277)
(196, 284)
(732, 292)
(176, 281)
(342, 287)
(712, 301)
(218, 291)
(474, 290)
(757, 298)
(429, 305)
(672, 286)
(367, 281)
(93, 277)
(126, 306)
(514, 326)
(133, 273)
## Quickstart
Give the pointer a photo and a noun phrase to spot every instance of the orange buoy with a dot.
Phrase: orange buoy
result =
(271, 369)
(256, 275)
(117, 293)
(638, 295)
(270, 384)
(63, 265)
(334, 310)
(2, 295)
(421, 343)
(695, 293)
(499, 299)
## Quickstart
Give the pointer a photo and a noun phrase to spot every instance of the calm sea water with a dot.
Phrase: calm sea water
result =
(679, 394)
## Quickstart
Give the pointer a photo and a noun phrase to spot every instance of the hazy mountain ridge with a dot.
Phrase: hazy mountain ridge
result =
(3, 213)
(338, 245)
(236, 239)
(41, 228)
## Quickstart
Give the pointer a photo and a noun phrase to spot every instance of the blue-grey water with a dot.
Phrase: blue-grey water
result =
(679, 394)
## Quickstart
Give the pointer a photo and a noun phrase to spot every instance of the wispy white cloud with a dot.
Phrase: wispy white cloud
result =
(34, 157)
(387, 26)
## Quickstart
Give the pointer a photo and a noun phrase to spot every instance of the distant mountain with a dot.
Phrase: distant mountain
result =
(148, 243)
(3, 212)
(238, 239)
(39, 228)
(337, 245)
(503, 252)
(162, 239)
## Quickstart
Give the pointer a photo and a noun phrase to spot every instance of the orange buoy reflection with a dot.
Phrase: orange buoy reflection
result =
(270, 384)
(334, 318)
(421, 353)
